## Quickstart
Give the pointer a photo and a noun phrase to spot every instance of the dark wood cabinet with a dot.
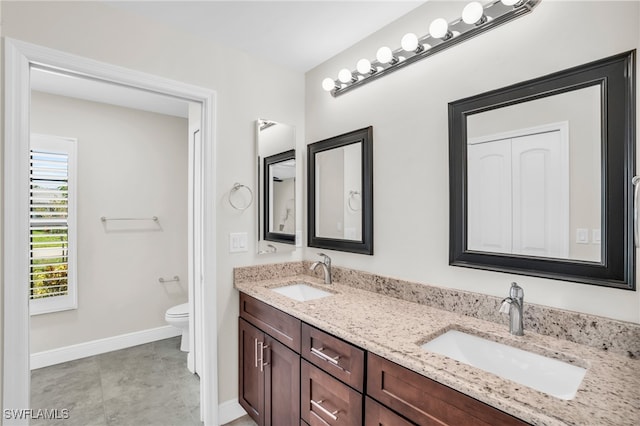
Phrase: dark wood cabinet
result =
(281, 384)
(269, 379)
(425, 401)
(337, 357)
(327, 401)
(274, 322)
(378, 415)
(251, 381)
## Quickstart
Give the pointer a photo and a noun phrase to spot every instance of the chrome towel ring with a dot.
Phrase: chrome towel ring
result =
(234, 191)
(353, 201)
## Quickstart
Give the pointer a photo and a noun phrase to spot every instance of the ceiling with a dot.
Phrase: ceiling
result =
(108, 93)
(296, 34)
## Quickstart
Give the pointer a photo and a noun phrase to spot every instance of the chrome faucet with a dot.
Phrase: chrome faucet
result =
(514, 306)
(326, 267)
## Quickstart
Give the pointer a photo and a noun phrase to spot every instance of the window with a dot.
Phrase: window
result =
(52, 224)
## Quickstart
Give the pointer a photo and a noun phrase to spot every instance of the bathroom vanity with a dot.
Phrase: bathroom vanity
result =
(355, 357)
(291, 371)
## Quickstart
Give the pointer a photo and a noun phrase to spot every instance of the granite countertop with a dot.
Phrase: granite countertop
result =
(395, 329)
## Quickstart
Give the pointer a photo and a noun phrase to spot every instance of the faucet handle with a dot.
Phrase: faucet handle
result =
(325, 259)
(505, 305)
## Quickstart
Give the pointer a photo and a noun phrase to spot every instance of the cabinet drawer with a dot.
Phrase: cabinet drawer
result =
(337, 357)
(425, 401)
(379, 415)
(281, 326)
(327, 401)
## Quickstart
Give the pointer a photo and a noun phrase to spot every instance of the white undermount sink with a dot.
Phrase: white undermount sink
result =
(548, 375)
(301, 292)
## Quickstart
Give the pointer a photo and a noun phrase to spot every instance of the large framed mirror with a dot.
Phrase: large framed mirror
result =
(541, 176)
(276, 175)
(340, 192)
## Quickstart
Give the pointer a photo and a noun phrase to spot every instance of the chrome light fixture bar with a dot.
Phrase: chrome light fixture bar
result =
(476, 19)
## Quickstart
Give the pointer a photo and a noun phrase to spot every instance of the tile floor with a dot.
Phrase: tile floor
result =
(242, 421)
(143, 385)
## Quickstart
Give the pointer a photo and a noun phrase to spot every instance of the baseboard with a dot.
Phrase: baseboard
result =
(100, 346)
(230, 410)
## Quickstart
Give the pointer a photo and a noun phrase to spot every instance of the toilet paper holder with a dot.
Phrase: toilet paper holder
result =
(174, 279)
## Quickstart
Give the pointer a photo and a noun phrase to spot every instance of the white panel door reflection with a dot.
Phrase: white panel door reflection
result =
(518, 194)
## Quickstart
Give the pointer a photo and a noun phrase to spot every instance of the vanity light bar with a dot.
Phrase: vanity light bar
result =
(476, 18)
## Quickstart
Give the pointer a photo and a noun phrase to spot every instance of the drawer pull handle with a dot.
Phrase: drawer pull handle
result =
(318, 352)
(255, 352)
(261, 359)
(319, 406)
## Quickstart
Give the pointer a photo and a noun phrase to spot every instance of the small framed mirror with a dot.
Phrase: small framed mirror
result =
(280, 197)
(541, 176)
(277, 187)
(340, 192)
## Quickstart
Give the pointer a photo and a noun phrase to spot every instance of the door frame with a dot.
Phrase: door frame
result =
(19, 57)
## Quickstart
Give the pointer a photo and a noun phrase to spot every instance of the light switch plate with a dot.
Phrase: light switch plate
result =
(238, 242)
(582, 236)
(595, 236)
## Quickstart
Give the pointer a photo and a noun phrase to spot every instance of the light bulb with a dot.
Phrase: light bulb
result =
(328, 84)
(344, 75)
(510, 2)
(410, 42)
(439, 28)
(363, 66)
(473, 13)
(384, 55)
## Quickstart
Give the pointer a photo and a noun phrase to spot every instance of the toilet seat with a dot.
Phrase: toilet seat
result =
(178, 311)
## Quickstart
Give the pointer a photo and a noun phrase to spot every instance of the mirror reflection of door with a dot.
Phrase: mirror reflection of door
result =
(533, 178)
(338, 193)
(282, 178)
(279, 197)
(518, 194)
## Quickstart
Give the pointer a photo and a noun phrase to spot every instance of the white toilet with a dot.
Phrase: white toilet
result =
(178, 316)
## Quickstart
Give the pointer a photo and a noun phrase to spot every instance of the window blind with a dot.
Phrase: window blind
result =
(49, 224)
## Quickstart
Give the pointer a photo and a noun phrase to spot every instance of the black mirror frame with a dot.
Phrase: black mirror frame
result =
(365, 246)
(616, 77)
(277, 237)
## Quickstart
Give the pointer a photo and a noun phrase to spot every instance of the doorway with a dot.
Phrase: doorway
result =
(20, 57)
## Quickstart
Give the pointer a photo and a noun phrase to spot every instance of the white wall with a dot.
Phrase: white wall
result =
(247, 88)
(408, 112)
(130, 164)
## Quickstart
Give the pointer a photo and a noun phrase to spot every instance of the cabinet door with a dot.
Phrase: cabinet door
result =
(379, 415)
(327, 401)
(282, 384)
(251, 382)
